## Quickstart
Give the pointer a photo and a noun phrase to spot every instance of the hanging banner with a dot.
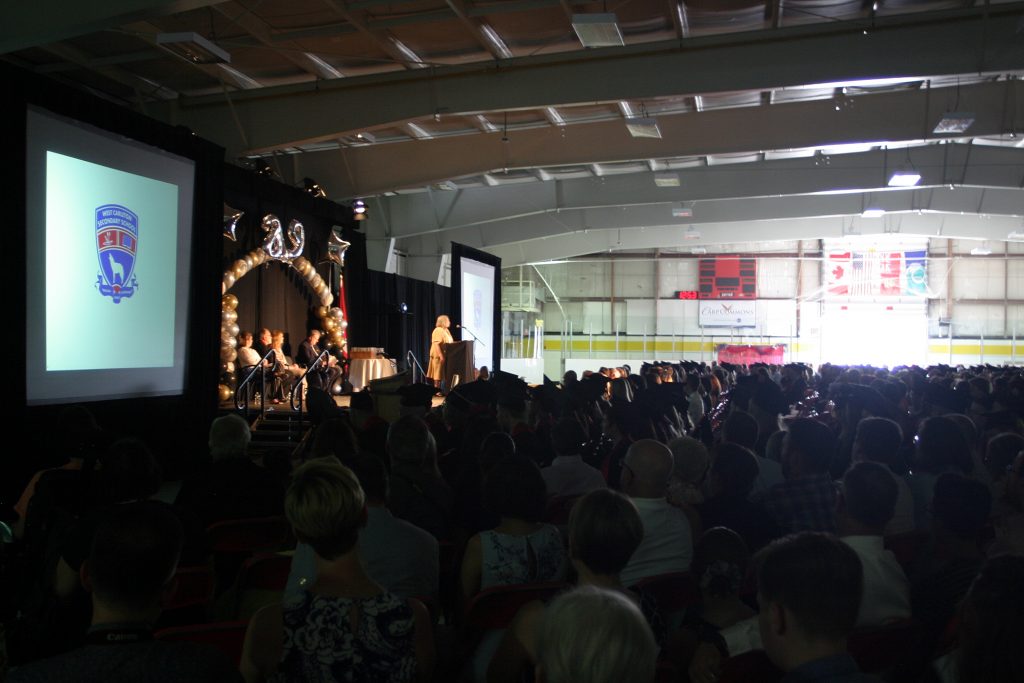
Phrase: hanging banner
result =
(837, 273)
(728, 314)
(874, 273)
(748, 354)
(915, 276)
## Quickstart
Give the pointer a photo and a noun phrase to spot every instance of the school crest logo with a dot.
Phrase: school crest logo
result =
(117, 242)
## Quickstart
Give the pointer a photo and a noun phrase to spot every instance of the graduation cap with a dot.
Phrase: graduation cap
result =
(589, 388)
(551, 396)
(417, 395)
(466, 397)
(869, 398)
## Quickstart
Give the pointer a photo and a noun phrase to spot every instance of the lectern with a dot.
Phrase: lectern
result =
(458, 360)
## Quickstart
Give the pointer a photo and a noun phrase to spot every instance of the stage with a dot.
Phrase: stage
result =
(340, 401)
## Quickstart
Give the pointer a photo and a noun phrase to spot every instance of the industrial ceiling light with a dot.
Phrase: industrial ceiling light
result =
(643, 127)
(359, 210)
(192, 47)
(905, 176)
(666, 179)
(954, 122)
(872, 213)
(981, 251)
(598, 30)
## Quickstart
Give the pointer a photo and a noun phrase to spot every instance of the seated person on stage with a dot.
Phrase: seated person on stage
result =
(809, 591)
(130, 569)
(285, 371)
(344, 625)
(668, 536)
(264, 342)
(520, 549)
(866, 505)
(401, 557)
(593, 635)
(248, 358)
(327, 371)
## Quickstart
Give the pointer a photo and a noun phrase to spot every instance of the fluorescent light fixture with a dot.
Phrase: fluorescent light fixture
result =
(980, 251)
(366, 137)
(691, 234)
(192, 47)
(682, 212)
(553, 116)
(627, 109)
(643, 127)
(495, 41)
(418, 131)
(954, 122)
(1016, 235)
(597, 30)
(904, 177)
(446, 185)
(872, 213)
(698, 250)
(666, 179)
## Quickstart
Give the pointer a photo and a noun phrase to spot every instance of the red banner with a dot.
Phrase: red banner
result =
(748, 354)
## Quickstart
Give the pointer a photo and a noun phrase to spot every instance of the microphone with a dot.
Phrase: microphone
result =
(458, 327)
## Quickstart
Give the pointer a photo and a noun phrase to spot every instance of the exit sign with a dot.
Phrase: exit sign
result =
(686, 295)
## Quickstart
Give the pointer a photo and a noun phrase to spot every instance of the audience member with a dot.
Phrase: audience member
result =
(604, 531)
(668, 539)
(733, 472)
(1008, 521)
(806, 501)
(809, 588)
(418, 493)
(568, 475)
(593, 635)
(343, 626)
(865, 507)
(130, 569)
(878, 439)
(690, 460)
(520, 549)
(401, 557)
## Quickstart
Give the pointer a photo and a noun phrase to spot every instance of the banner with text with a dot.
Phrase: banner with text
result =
(728, 314)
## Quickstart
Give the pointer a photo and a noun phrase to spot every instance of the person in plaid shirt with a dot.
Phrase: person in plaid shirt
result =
(806, 500)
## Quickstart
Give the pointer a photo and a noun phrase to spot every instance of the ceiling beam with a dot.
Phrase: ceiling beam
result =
(973, 40)
(890, 116)
(29, 24)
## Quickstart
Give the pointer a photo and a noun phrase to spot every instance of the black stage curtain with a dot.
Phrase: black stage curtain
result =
(381, 321)
(275, 296)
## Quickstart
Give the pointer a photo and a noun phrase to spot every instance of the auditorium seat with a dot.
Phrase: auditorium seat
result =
(226, 636)
(261, 581)
(191, 595)
(232, 541)
(749, 667)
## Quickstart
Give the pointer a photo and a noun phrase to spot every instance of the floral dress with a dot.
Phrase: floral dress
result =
(321, 645)
(536, 558)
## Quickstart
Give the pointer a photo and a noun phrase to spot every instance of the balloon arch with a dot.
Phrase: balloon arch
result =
(332, 318)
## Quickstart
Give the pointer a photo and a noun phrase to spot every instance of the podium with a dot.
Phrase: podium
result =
(458, 360)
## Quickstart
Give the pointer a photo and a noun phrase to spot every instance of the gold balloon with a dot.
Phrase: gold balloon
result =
(224, 392)
(337, 337)
(229, 331)
(344, 324)
(239, 268)
(227, 353)
(229, 302)
(229, 280)
(336, 314)
(229, 316)
(321, 311)
(228, 340)
(327, 298)
(229, 366)
(329, 325)
(248, 262)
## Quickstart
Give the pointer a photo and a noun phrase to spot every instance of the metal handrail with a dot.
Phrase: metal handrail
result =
(414, 364)
(243, 403)
(297, 386)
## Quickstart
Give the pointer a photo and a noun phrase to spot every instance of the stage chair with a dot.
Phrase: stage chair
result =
(226, 636)
(750, 667)
(261, 581)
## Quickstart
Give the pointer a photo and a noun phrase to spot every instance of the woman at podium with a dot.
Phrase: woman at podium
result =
(439, 337)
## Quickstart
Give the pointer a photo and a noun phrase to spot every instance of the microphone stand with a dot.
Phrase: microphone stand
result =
(475, 338)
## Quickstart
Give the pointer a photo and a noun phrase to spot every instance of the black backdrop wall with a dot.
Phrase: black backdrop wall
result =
(275, 296)
(377, 319)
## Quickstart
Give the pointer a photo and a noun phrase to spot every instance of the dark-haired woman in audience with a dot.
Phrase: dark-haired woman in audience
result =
(343, 626)
(604, 531)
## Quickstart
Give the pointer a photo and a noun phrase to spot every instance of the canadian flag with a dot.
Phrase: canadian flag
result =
(837, 273)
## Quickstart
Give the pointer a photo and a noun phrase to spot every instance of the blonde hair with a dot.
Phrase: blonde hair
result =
(442, 319)
(592, 635)
(326, 506)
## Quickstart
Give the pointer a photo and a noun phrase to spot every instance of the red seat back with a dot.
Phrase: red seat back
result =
(193, 586)
(245, 536)
(226, 636)
(267, 571)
